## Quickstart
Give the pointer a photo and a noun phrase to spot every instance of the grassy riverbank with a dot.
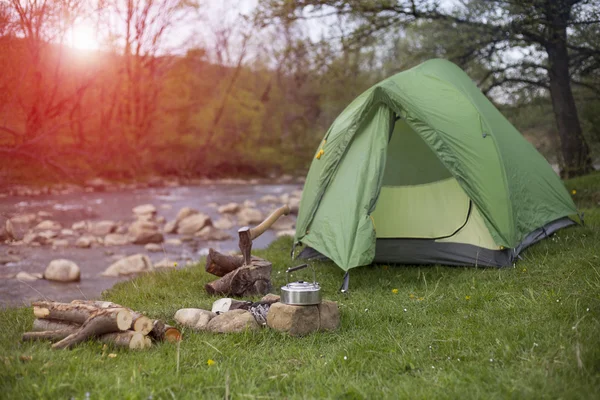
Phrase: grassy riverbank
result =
(524, 332)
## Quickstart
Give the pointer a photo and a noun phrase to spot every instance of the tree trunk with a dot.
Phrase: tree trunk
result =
(575, 151)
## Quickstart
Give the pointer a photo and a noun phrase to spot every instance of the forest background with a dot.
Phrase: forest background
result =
(128, 89)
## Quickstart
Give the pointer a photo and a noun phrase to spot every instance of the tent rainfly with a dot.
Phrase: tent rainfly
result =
(423, 169)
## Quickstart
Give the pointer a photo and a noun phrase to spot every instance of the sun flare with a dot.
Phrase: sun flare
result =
(83, 37)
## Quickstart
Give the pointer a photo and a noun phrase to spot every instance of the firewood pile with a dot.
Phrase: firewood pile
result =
(71, 323)
(245, 275)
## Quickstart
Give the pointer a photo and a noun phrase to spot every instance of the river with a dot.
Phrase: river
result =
(117, 206)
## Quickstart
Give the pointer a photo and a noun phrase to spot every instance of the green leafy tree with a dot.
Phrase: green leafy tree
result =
(549, 45)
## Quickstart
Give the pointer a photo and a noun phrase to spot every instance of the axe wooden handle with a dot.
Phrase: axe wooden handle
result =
(266, 224)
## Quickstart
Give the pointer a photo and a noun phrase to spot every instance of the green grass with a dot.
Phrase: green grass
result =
(524, 332)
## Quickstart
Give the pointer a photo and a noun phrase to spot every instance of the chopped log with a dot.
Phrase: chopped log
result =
(147, 342)
(98, 303)
(101, 322)
(158, 330)
(221, 264)
(41, 325)
(248, 280)
(78, 313)
(58, 334)
(161, 332)
(172, 334)
(141, 323)
(129, 339)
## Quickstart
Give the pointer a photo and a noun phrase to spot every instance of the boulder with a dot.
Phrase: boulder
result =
(233, 321)
(160, 220)
(184, 213)
(249, 216)
(62, 270)
(287, 232)
(28, 277)
(60, 243)
(223, 223)
(9, 230)
(295, 320)
(80, 226)
(195, 318)
(153, 247)
(116, 239)
(174, 242)
(329, 315)
(44, 215)
(270, 298)
(269, 198)
(145, 211)
(170, 227)
(212, 233)
(192, 224)
(166, 263)
(23, 219)
(67, 233)
(102, 228)
(8, 258)
(130, 265)
(85, 242)
(41, 238)
(144, 232)
(48, 225)
(229, 208)
(249, 204)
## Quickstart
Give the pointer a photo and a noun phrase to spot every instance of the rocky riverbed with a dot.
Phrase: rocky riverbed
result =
(111, 233)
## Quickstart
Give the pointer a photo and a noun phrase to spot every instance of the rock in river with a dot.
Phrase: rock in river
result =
(130, 265)
(193, 223)
(62, 270)
(144, 232)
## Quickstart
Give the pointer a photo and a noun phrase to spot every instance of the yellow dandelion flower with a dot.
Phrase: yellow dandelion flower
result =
(524, 269)
(421, 298)
(112, 355)
(175, 264)
(210, 362)
(467, 297)
(395, 291)
(412, 296)
(573, 191)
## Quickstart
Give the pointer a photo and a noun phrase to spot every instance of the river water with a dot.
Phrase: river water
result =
(117, 206)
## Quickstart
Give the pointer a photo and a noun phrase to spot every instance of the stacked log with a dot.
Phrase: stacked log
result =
(71, 323)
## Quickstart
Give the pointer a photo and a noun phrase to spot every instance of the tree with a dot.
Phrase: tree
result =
(555, 40)
(39, 91)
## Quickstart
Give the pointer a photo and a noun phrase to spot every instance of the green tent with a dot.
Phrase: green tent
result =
(423, 169)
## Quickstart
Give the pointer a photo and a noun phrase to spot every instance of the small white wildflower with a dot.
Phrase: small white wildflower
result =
(366, 309)
(432, 367)
(573, 327)
(429, 347)
(587, 309)
(535, 344)
(345, 357)
(448, 357)
(491, 360)
(558, 300)
(405, 310)
(458, 359)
